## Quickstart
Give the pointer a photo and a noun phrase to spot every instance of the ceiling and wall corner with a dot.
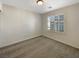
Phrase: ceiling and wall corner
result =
(31, 5)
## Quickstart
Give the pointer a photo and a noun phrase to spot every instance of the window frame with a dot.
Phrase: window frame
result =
(57, 31)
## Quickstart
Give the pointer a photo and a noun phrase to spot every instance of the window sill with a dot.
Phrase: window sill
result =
(52, 31)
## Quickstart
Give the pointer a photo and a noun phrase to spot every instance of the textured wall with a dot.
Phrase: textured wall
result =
(18, 25)
(71, 34)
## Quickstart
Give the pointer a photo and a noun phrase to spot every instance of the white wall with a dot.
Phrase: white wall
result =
(71, 34)
(18, 25)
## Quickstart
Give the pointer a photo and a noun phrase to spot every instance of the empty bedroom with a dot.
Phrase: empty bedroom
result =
(39, 28)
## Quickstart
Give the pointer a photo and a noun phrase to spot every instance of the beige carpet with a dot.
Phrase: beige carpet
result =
(40, 47)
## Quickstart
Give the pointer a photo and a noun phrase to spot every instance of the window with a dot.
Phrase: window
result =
(56, 23)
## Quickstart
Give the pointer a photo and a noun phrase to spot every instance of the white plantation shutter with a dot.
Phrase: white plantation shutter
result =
(56, 23)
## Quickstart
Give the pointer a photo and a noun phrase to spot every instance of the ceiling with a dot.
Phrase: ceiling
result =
(32, 6)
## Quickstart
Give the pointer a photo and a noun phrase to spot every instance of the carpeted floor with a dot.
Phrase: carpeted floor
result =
(40, 47)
